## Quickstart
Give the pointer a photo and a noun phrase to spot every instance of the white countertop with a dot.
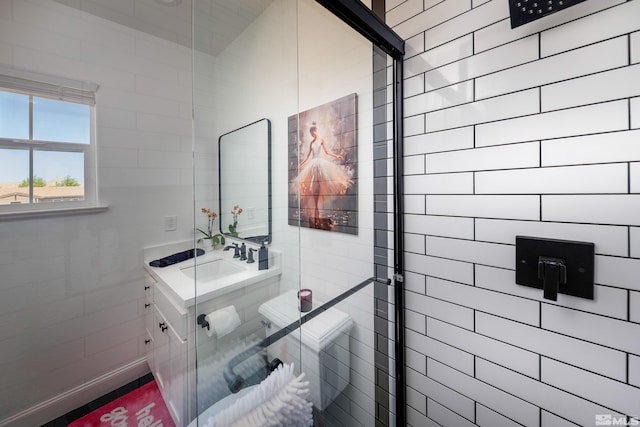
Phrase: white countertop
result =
(185, 291)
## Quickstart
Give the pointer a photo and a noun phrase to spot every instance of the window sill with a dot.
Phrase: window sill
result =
(28, 214)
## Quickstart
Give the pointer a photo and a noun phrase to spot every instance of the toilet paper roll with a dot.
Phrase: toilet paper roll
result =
(223, 321)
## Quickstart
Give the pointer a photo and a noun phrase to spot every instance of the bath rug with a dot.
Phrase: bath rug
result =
(141, 407)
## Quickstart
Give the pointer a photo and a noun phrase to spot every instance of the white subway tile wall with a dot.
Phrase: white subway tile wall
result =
(634, 180)
(458, 183)
(605, 86)
(635, 113)
(482, 392)
(487, 417)
(439, 226)
(590, 29)
(444, 416)
(634, 370)
(550, 420)
(480, 64)
(586, 120)
(617, 209)
(597, 148)
(611, 178)
(414, 125)
(635, 242)
(514, 358)
(609, 240)
(438, 141)
(555, 401)
(437, 57)
(610, 301)
(574, 63)
(526, 132)
(489, 158)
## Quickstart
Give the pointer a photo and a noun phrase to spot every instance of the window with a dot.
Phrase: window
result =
(47, 147)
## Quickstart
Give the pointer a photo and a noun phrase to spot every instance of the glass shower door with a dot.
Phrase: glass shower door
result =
(245, 87)
(320, 305)
(341, 205)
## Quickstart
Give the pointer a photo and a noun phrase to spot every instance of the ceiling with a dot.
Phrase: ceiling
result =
(218, 22)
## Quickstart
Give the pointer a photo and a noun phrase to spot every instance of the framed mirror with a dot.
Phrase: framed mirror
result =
(244, 165)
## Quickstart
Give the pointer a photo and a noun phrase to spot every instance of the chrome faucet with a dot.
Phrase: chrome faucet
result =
(243, 252)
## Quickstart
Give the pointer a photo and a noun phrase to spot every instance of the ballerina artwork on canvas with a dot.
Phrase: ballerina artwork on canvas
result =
(322, 167)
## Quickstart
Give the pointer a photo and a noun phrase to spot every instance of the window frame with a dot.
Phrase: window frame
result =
(40, 86)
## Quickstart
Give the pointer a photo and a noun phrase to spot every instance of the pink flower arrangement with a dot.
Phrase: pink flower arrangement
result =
(209, 233)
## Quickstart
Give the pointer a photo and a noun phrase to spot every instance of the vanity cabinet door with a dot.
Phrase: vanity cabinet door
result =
(178, 389)
(170, 366)
(175, 315)
(161, 353)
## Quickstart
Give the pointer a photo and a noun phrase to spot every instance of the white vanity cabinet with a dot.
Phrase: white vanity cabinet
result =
(170, 358)
(172, 307)
(167, 353)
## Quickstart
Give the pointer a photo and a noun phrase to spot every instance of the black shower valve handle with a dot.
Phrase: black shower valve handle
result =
(553, 273)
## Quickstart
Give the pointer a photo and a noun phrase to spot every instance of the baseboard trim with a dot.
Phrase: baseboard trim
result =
(59, 405)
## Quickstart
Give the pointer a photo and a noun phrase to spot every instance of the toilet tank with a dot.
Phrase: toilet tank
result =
(324, 354)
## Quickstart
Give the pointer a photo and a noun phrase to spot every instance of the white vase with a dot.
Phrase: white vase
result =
(207, 245)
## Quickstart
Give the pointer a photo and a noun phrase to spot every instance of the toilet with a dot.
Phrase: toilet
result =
(324, 355)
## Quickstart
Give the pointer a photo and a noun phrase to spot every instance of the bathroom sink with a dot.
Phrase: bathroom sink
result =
(215, 273)
(212, 270)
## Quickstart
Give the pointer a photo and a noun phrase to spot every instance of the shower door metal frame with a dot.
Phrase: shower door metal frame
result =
(362, 19)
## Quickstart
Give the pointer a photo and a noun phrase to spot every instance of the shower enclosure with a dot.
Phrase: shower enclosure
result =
(293, 130)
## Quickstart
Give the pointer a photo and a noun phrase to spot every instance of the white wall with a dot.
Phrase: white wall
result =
(71, 286)
(528, 131)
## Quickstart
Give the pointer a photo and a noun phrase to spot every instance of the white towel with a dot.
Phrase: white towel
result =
(279, 400)
(222, 321)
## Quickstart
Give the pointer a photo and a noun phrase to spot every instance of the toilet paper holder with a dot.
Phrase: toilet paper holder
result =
(202, 321)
